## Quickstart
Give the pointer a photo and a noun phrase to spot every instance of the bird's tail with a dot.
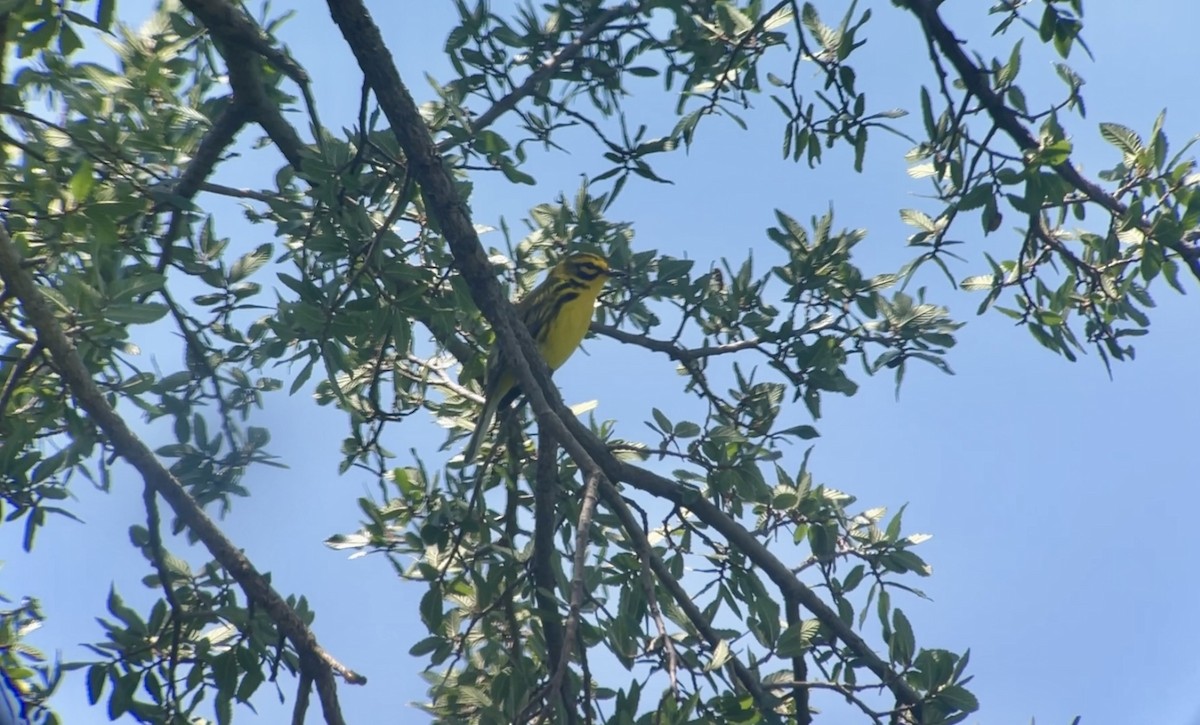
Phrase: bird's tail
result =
(481, 429)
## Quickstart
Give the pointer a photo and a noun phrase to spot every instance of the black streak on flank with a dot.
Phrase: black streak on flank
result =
(562, 300)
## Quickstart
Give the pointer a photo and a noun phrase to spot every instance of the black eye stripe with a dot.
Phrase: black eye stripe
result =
(588, 270)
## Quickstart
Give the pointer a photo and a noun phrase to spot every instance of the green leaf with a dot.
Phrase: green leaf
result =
(250, 262)
(515, 175)
(82, 181)
(822, 541)
(131, 313)
(130, 618)
(903, 560)
(958, 698)
(978, 282)
(137, 285)
(69, 41)
(903, 642)
(122, 697)
(893, 528)
(225, 672)
(1123, 138)
(1048, 23)
(105, 11)
(720, 656)
(1055, 153)
(918, 219)
(224, 708)
(854, 578)
(797, 639)
(803, 432)
(431, 607)
(97, 675)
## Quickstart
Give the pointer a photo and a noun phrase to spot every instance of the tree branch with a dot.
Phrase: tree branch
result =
(672, 350)
(641, 544)
(546, 69)
(544, 489)
(517, 348)
(233, 26)
(976, 83)
(745, 542)
(91, 399)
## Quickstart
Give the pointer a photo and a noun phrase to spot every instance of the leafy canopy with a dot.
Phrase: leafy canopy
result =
(686, 575)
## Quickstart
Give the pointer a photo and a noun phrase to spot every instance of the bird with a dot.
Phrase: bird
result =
(557, 313)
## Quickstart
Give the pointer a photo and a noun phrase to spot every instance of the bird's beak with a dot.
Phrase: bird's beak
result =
(617, 274)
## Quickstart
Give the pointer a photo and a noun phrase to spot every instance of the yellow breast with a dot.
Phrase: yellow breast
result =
(567, 329)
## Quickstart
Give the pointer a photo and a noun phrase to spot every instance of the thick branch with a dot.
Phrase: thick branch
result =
(245, 77)
(233, 25)
(90, 398)
(745, 542)
(450, 211)
(517, 347)
(545, 489)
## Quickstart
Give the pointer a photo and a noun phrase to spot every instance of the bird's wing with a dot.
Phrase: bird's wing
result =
(534, 312)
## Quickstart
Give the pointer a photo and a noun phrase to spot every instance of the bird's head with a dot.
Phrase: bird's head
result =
(587, 267)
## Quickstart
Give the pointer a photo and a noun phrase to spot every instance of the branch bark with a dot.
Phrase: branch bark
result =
(450, 211)
(235, 30)
(976, 83)
(88, 396)
(545, 490)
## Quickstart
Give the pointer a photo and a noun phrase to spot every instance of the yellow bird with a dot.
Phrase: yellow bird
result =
(557, 313)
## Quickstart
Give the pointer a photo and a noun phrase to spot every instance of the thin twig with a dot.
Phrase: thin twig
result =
(158, 556)
(583, 532)
(223, 190)
(675, 351)
(641, 544)
(672, 656)
(15, 374)
(545, 70)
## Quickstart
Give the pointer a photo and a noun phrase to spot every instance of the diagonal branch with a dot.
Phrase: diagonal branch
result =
(547, 69)
(235, 27)
(545, 488)
(88, 396)
(518, 351)
(745, 542)
(650, 557)
(976, 82)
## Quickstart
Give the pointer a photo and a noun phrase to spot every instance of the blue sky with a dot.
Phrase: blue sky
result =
(1061, 502)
